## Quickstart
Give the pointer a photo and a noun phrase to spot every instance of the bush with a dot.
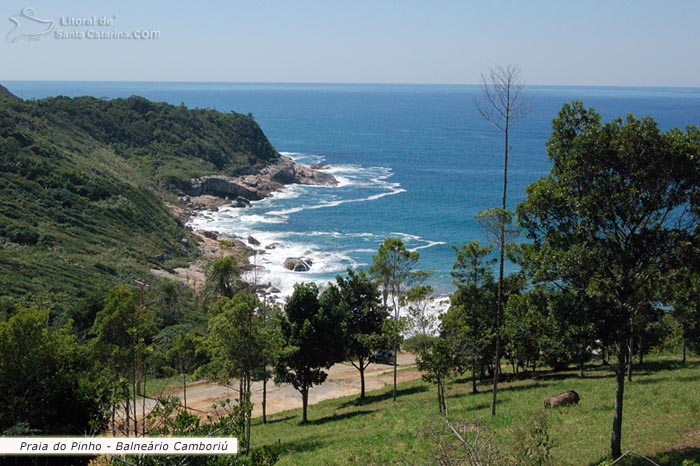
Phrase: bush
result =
(418, 343)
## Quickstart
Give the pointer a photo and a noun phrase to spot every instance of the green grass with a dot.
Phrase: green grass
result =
(662, 407)
(156, 387)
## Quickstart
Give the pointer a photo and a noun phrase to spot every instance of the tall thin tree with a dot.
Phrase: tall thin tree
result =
(392, 268)
(503, 107)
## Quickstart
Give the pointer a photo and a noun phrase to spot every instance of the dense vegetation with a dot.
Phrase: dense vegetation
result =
(83, 183)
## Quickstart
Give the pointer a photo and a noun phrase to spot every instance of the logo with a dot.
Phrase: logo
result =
(28, 26)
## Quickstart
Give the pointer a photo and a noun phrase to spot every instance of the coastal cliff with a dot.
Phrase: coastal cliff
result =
(257, 186)
(88, 189)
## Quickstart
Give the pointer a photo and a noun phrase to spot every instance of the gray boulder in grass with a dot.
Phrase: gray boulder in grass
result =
(566, 398)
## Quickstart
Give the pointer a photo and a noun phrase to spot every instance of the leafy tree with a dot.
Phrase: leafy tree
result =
(358, 303)
(312, 342)
(438, 362)
(271, 316)
(525, 328)
(45, 383)
(182, 352)
(123, 332)
(393, 269)
(223, 276)
(469, 322)
(169, 419)
(472, 266)
(571, 336)
(423, 323)
(684, 287)
(503, 108)
(167, 302)
(238, 343)
(606, 221)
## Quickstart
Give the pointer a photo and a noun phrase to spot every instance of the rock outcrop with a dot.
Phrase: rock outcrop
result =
(254, 187)
(297, 264)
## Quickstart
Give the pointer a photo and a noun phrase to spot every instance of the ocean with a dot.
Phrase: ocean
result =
(415, 162)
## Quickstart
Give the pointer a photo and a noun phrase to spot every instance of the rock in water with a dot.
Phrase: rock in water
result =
(298, 264)
(241, 202)
(253, 241)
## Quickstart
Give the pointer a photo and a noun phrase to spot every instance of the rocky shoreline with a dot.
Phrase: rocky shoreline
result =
(259, 185)
(212, 192)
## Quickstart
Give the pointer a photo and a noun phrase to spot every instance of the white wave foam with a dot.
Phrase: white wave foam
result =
(328, 250)
(409, 239)
(304, 159)
(325, 264)
(429, 245)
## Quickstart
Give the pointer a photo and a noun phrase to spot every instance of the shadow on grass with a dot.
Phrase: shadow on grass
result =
(281, 419)
(550, 376)
(665, 365)
(301, 445)
(667, 458)
(475, 407)
(370, 399)
(336, 417)
(653, 378)
(675, 457)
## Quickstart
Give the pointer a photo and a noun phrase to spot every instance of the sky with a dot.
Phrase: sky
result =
(554, 42)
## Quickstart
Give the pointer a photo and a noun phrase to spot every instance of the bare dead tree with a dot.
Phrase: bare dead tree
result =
(503, 106)
(459, 444)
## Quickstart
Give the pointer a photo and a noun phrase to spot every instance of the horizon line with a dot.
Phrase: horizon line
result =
(341, 83)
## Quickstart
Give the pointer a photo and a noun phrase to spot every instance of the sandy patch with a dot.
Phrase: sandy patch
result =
(343, 380)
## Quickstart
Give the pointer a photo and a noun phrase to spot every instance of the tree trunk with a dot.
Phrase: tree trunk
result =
(136, 418)
(143, 405)
(184, 390)
(264, 401)
(362, 379)
(616, 438)
(114, 411)
(604, 356)
(396, 362)
(630, 356)
(501, 260)
(304, 404)
(474, 388)
(248, 412)
(684, 347)
(127, 404)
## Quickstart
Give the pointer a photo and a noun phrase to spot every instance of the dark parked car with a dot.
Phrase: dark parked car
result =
(384, 357)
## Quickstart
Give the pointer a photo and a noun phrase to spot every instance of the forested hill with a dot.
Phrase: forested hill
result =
(83, 184)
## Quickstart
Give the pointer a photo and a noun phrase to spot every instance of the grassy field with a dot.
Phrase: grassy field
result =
(661, 419)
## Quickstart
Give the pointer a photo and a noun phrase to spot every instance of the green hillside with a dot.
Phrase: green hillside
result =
(83, 185)
(661, 422)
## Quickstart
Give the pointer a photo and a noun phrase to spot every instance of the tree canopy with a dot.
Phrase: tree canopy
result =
(313, 342)
(609, 220)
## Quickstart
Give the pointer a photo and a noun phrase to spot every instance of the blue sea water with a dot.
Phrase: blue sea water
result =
(414, 161)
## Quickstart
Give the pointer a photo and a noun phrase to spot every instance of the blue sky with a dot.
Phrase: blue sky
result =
(622, 42)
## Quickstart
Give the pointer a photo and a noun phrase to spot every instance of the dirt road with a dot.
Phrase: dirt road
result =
(343, 380)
